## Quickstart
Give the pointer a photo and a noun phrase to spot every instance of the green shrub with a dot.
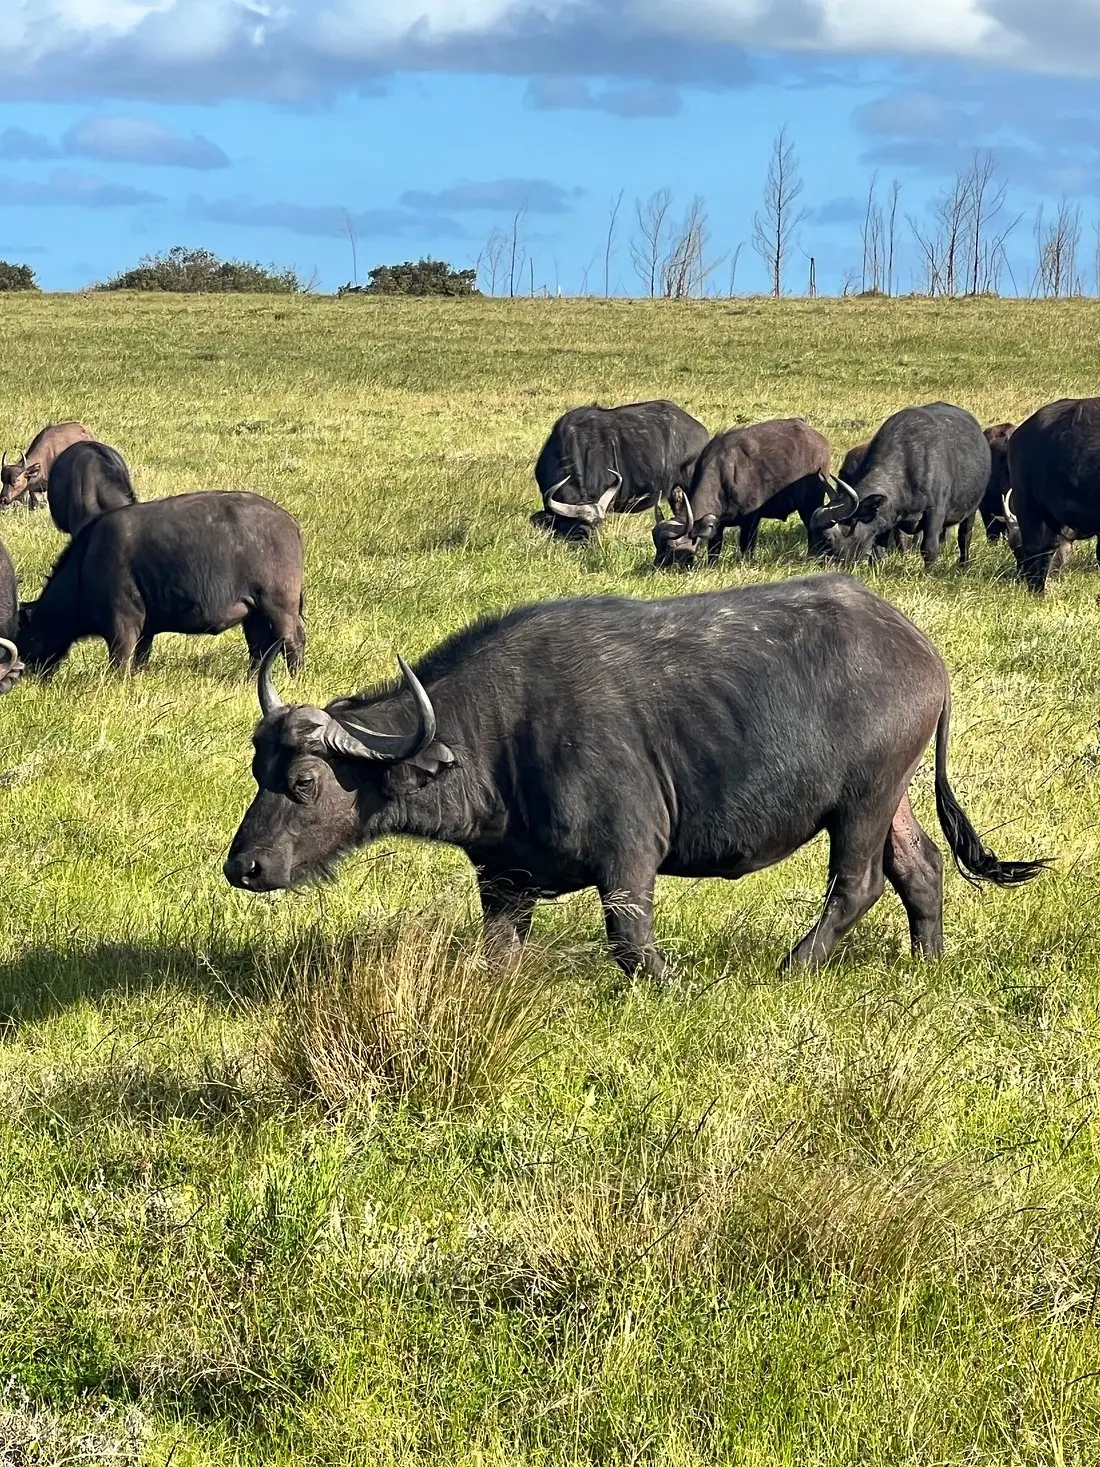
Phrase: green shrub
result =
(17, 277)
(196, 271)
(425, 277)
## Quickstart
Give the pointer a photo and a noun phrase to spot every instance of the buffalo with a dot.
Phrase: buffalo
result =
(195, 563)
(992, 504)
(1054, 469)
(559, 747)
(925, 470)
(87, 479)
(625, 459)
(10, 665)
(769, 471)
(29, 479)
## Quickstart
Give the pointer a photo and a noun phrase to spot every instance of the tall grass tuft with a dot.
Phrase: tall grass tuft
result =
(411, 1011)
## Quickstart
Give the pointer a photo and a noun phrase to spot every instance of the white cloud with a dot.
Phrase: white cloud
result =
(287, 48)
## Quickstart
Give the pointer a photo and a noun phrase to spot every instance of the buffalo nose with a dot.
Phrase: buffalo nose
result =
(244, 871)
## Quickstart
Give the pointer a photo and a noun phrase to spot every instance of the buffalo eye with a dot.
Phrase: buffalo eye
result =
(304, 786)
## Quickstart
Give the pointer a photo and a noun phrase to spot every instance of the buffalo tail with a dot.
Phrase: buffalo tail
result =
(976, 862)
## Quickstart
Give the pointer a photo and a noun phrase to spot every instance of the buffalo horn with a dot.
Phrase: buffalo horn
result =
(9, 655)
(555, 487)
(1010, 518)
(684, 519)
(841, 508)
(22, 460)
(4, 459)
(364, 743)
(270, 702)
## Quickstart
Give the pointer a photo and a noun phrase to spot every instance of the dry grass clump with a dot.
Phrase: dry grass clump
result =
(411, 1011)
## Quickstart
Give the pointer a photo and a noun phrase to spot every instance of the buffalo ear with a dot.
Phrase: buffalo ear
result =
(869, 508)
(413, 774)
(34, 471)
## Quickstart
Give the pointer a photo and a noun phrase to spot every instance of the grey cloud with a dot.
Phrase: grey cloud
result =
(18, 145)
(846, 210)
(64, 189)
(569, 93)
(319, 219)
(133, 140)
(914, 113)
(536, 195)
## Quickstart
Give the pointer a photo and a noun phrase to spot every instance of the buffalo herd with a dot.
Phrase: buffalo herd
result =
(560, 745)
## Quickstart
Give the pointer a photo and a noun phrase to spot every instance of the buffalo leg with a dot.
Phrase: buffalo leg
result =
(262, 629)
(714, 546)
(931, 537)
(966, 530)
(914, 868)
(749, 530)
(144, 649)
(856, 881)
(507, 911)
(628, 918)
(122, 644)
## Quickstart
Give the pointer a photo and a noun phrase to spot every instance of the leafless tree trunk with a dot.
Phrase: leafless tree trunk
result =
(612, 219)
(734, 257)
(517, 251)
(869, 234)
(349, 230)
(493, 257)
(1057, 247)
(647, 247)
(774, 228)
(685, 269)
(895, 190)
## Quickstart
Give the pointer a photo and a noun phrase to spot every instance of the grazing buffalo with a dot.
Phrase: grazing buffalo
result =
(925, 470)
(560, 747)
(625, 459)
(197, 563)
(1054, 469)
(767, 471)
(10, 665)
(85, 481)
(992, 504)
(29, 479)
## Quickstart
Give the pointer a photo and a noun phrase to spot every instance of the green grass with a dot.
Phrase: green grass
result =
(810, 1221)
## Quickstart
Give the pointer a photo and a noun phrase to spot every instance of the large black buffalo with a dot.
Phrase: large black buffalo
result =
(198, 563)
(87, 479)
(625, 459)
(768, 471)
(561, 747)
(925, 470)
(10, 665)
(1054, 469)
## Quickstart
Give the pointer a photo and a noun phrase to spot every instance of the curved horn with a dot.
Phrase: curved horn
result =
(22, 460)
(841, 508)
(9, 656)
(658, 512)
(1006, 502)
(607, 498)
(364, 743)
(4, 459)
(555, 487)
(270, 702)
(588, 513)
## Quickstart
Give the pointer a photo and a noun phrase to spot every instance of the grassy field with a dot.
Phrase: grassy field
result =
(293, 1181)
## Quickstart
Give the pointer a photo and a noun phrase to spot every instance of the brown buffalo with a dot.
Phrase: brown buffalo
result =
(29, 479)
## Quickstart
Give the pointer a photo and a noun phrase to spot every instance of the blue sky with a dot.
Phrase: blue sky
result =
(250, 127)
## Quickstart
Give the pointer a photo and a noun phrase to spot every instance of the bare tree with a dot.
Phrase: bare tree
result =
(963, 248)
(1057, 247)
(774, 228)
(891, 234)
(612, 219)
(493, 257)
(871, 236)
(685, 269)
(648, 245)
(516, 251)
(734, 258)
(349, 230)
